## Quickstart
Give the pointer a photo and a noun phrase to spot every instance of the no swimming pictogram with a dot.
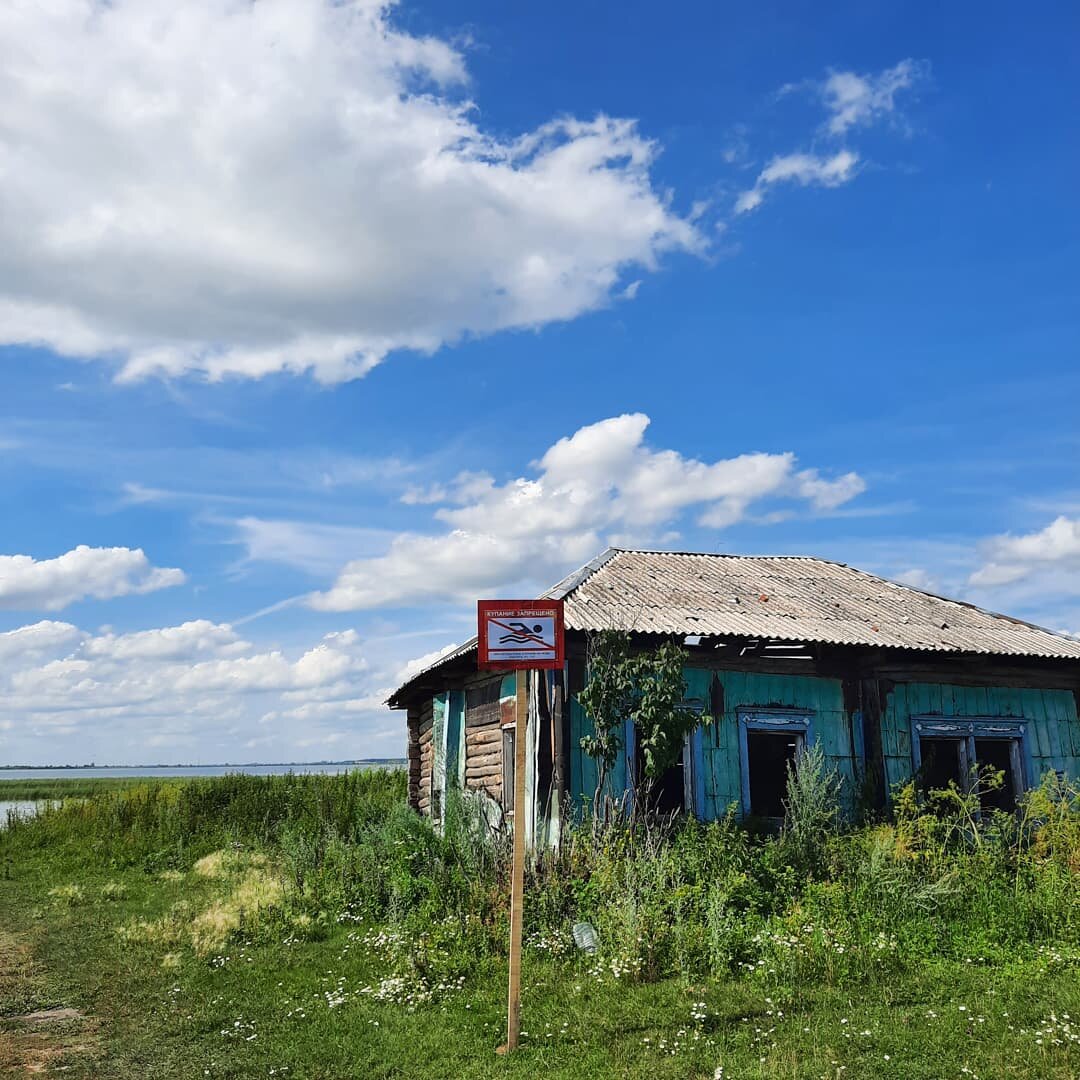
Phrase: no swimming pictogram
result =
(520, 634)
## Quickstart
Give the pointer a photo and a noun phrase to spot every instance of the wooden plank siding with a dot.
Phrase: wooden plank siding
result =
(859, 704)
(821, 699)
(719, 764)
(455, 740)
(413, 732)
(1053, 732)
(1052, 735)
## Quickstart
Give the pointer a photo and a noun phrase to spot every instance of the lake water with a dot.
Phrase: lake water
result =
(23, 809)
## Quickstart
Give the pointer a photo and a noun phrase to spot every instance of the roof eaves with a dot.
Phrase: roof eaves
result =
(395, 699)
(557, 592)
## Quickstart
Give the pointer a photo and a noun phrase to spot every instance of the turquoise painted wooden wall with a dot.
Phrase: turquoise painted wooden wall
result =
(718, 764)
(1053, 733)
(582, 780)
(822, 698)
(1052, 740)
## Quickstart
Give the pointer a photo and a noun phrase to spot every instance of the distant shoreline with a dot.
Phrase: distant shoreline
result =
(209, 765)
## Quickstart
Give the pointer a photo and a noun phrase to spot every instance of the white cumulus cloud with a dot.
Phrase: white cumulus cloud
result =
(27, 583)
(186, 642)
(27, 642)
(601, 483)
(1009, 559)
(193, 692)
(237, 188)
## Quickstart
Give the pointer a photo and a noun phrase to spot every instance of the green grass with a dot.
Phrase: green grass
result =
(957, 998)
(65, 788)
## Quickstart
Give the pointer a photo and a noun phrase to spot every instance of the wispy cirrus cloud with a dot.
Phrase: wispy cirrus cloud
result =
(802, 169)
(314, 547)
(851, 101)
(855, 100)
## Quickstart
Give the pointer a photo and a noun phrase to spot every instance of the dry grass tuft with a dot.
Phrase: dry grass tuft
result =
(72, 895)
(248, 895)
(257, 891)
(228, 863)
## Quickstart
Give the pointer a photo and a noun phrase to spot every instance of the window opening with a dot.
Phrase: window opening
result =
(947, 750)
(770, 741)
(545, 743)
(668, 795)
(999, 754)
(482, 703)
(769, 755)
(942, 763)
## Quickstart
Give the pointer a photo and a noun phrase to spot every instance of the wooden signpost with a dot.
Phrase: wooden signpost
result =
(520, 635)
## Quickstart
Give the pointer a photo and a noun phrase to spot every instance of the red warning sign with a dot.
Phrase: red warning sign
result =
(520, 633)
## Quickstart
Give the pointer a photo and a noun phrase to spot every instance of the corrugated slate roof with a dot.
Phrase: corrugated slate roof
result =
(790, 598)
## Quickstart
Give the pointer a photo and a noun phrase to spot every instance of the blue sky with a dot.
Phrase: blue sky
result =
(318, 322)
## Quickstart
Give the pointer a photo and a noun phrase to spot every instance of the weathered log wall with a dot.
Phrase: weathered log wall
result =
(485, 715)
(426, 755)
(413, 726)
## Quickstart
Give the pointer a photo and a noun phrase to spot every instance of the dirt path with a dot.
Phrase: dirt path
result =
(36, 1035)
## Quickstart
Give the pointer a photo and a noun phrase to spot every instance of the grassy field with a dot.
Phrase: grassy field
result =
(49, 788)
(312, 927)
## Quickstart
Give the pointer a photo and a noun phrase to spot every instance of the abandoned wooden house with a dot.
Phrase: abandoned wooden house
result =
(892, 682)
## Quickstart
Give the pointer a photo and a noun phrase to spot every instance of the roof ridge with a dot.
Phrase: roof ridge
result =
(965, 604)
(574, 580)
(728, 555)
(561, 589)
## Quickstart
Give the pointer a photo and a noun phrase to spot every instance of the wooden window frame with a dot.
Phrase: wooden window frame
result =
(693, 761)
(967, 730)
(770, 721)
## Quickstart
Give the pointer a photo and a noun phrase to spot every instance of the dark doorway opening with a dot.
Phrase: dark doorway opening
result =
(769, 754)
(998, 753)
(668, 795)
(942, 762)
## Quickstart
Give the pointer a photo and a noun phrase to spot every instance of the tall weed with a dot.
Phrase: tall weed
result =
(823, 901)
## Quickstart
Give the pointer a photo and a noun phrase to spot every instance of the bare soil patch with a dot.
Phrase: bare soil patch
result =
(35, 1040)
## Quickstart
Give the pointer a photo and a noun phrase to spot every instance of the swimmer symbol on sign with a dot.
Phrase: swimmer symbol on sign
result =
(521, 633)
